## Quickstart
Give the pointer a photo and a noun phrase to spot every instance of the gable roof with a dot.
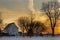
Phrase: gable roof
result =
(11, 29)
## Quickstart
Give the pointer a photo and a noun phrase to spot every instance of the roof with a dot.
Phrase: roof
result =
(11, 29)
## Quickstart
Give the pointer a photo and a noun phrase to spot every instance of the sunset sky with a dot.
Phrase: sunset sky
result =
(12, 9)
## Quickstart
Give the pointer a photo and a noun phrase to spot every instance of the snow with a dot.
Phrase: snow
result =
(30, 38)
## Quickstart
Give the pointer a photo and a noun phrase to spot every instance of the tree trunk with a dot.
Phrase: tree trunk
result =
(23, 31)
(30, 32)
(52, 31)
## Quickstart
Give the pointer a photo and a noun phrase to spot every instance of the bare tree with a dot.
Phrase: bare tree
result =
(40, 26)
(24, 23)
(51, 8)
(29, 25)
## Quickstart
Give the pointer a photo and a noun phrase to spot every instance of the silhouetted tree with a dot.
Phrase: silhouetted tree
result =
(29, 26)
(38, 24)
(51, 9)
(24, 23)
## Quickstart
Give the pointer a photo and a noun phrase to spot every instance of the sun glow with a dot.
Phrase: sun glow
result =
(57, 30)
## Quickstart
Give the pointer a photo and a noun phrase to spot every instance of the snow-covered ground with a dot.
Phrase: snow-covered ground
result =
(30, 38)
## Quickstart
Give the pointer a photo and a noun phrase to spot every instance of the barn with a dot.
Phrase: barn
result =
(12, 29)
